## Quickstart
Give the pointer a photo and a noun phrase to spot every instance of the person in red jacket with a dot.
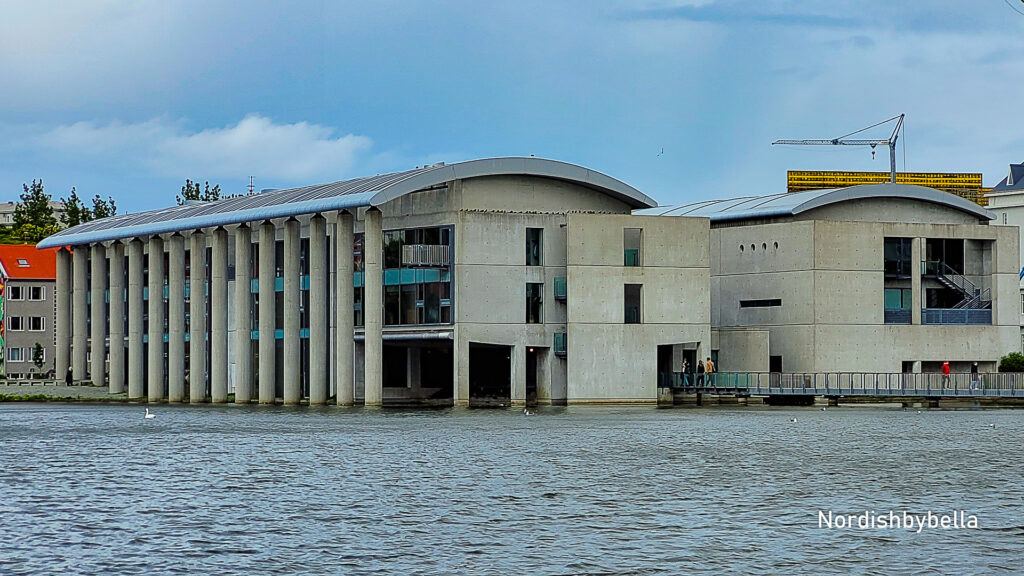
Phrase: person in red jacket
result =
(945, 373)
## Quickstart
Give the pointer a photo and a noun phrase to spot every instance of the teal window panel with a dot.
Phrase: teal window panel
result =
(407, 275)
(278, 284)
(254, 285)
(357, 280)
(392, 277)
(304, 283)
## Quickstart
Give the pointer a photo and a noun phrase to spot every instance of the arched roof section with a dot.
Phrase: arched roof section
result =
(346, 194)
(791, 204)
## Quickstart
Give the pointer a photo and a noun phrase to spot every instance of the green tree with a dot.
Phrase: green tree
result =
(103, 208)
(192, 192)
(75, 211)
(1012, 362)
(34, 208)
(32, 234)
(37, 355)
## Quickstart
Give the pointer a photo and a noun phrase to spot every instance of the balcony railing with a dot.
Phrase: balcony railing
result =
(560, 288)
(985, 384)
(897, 315)
(980, 316)
(425, 255)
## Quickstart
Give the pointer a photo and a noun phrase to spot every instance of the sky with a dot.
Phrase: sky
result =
(680, 99)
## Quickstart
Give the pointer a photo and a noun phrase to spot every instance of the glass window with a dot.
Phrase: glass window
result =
(393, 248)
(15, 293)
(36, 324)
(408, 300)
(534, 246)
(534, 303)
(16, 323)
(14, 355)
(631, 241)
(37, 293)
(898, 298)
(897, 256)
(392, 305)
(633, 297)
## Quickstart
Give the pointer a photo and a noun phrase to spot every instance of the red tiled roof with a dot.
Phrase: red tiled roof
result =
(26, 262)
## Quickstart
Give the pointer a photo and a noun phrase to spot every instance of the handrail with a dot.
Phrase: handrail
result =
(983, 384)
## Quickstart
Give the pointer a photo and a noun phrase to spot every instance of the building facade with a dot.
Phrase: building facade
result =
(1006, 201)
(500, 281)
(876, 278)
(27, 278)
(7, 212)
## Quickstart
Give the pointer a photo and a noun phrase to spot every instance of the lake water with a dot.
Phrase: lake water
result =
(90, 489)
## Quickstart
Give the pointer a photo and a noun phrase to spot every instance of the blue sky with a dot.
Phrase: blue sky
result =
(131, 98)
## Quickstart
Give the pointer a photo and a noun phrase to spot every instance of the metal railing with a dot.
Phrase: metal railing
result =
(897, 315)
(988, 384)
(981, 316)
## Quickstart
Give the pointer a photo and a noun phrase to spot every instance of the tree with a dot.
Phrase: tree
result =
(103, 208)
(34, 208)
(1012, 362)
(37, 355)
(75, 211)
(191, 192)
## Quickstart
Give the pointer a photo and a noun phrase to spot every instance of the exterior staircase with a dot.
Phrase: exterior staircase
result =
(973, 298)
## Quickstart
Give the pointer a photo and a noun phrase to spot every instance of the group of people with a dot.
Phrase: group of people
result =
(975, 379)
(706, 366)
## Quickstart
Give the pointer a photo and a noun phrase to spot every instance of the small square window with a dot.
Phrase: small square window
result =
(22, 263)
(15, 293)
(15, 323)
(15, 355)
(36, 324)
(37, 293)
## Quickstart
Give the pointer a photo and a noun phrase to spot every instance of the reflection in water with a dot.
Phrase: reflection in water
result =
(214, 490)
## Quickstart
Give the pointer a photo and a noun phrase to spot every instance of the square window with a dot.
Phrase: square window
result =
(633, 298)
(534, 246)
(14, 355)
(36, 323)
(534, 303)
(15, 293)
(22, 263)
(15, 323)
(37, 293)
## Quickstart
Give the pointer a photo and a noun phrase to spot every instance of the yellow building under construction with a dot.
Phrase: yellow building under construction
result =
(964, 184)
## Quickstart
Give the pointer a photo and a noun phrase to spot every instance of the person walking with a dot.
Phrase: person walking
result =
(974, 376)
(945, 374)
(700, 373)
(709, 368)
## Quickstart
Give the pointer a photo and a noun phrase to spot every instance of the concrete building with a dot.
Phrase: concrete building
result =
(27, 278)
(874, 278)
(7, 212)
(499, 281)
(1006, 201)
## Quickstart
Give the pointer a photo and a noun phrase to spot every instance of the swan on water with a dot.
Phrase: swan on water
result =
(148, 415)
(792, 419)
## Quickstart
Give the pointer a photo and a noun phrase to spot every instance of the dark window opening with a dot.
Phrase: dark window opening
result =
(631, 242)
(633, 298)
(766, 303)
(534, 303)
(897, 256)
(534, 246)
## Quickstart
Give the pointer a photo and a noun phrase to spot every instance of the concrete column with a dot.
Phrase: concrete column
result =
(155, 371)
(243, 315)
(197, 318)
(412, 371)
(373, 281)
(460, 369)
(292, 313)
(176, 319)
(62, 328)
(916, 291)
(318, 306)
(219, 317)
(518, 376)
(116, 318)
(136, 362)
(344, 310)
(98, 313)
(267, 312)
(80, 309)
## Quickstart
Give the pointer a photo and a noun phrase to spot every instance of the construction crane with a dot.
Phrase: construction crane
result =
(843, 141)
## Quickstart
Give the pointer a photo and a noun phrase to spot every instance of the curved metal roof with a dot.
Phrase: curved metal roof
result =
(358, 192)
(792, 203)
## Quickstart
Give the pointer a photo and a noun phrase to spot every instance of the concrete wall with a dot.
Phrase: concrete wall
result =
(741, 349)
(608, 360)
(829, 276)
(889, 210)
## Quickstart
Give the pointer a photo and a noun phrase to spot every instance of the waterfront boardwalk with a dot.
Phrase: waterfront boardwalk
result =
(836, 384)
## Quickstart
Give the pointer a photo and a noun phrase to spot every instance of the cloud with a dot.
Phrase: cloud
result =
(254, 146)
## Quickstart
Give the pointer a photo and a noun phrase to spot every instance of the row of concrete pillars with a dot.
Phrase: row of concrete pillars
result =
(84, 270)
